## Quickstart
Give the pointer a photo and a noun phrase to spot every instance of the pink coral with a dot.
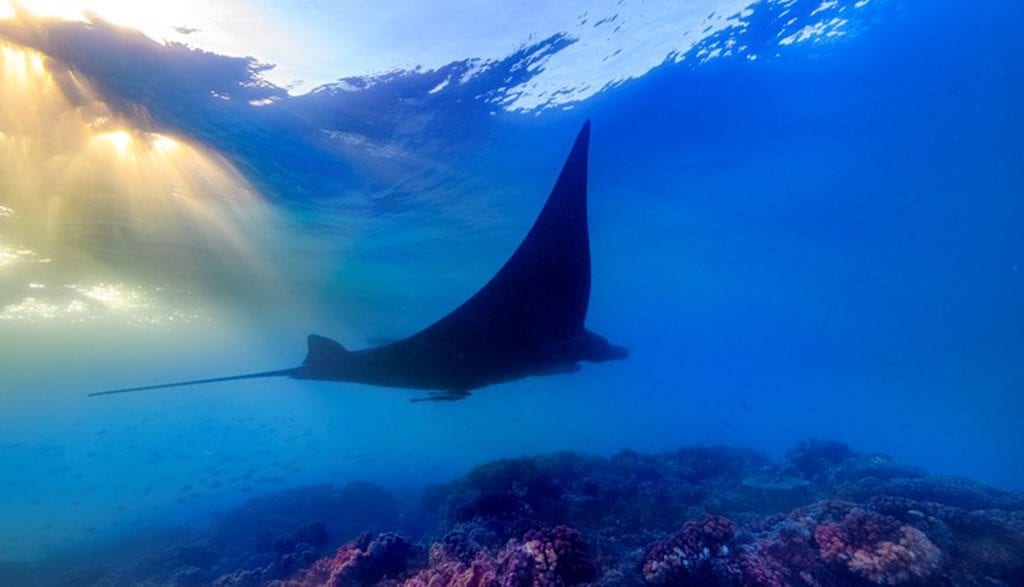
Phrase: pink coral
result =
(365, 561)
(878, 548)
(698, 553)
(445, 572)
(559, 554)
(784, 556)
(550, 557)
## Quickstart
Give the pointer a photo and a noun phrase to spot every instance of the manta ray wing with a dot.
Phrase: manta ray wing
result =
(542, 292)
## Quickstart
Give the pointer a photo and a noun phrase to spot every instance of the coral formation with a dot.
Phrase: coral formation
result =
(697, 554)
(368, 560)
(827, 543)
(822, 515)
(878, 548)
(549, 557)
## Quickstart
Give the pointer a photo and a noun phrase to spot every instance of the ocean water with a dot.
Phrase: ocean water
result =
(806, 219)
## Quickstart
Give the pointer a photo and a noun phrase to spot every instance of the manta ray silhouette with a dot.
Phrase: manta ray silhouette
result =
(528, 320)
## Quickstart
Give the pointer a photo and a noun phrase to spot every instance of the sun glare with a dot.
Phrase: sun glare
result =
(121, 140)
(84, 303)
(20, 64)
(126, 142)
(81, 182)
(63, 9)
(163, 144)
(156, 19)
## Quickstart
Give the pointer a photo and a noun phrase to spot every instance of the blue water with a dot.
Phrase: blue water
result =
(824, 241)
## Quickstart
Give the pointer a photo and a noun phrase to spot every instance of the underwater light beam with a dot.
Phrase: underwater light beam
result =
(91, 188)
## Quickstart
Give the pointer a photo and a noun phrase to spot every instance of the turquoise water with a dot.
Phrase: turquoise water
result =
(813, 238)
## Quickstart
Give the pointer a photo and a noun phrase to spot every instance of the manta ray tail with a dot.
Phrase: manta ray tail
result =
(278, 373)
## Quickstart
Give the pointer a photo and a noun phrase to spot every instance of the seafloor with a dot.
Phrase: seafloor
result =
(821, 515)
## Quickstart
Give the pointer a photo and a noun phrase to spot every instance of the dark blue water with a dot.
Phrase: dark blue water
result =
(825, 241)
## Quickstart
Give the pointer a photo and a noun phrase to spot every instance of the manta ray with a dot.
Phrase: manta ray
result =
(527, 320)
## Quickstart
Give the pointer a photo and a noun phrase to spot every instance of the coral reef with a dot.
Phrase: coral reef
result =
(552, 556)
(825, 544)
(368, 560)
(878, 548)
(822, 515)
(548, 557)
(697, 554)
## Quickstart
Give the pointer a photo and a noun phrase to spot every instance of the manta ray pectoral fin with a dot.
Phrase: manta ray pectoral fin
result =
(441, 396)
(540, 295)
